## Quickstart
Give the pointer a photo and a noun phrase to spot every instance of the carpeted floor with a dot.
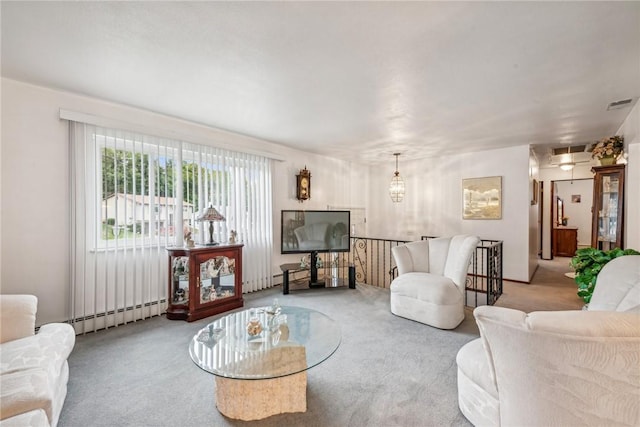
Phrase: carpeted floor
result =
(549, 289)
(388, 371)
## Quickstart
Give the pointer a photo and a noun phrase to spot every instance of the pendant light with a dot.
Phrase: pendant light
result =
(396, 188)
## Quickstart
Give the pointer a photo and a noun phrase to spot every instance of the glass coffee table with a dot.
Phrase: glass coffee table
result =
(260, 357)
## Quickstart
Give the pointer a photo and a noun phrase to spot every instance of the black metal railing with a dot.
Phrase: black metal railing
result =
(484, 281)
(374, 265)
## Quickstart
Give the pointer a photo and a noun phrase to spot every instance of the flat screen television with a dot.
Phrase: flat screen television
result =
(314, 231)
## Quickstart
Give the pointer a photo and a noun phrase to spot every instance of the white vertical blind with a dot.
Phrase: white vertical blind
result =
(238, 185)
(132, 195)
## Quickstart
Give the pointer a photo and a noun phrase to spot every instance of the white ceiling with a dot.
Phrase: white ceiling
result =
(355, 80)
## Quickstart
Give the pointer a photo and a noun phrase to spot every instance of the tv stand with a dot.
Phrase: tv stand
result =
(313, 280)
(313, 273)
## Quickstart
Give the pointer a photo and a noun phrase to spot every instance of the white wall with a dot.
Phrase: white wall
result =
(631, 131)
(534, 215)
(632, 202)
(333, 183)
(35, 178)
(433, 202)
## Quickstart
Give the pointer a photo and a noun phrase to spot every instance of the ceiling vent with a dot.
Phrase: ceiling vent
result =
(573, 154)
(619, 104)
(569, 150)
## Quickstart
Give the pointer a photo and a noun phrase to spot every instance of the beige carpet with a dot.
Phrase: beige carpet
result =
(550, 289)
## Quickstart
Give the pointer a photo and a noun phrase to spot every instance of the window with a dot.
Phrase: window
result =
(133, 195)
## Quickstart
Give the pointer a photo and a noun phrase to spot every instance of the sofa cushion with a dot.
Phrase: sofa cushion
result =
(564, 368)
(39, 360)
(47, 350)
(17, 316)
(618, 286)
(427, 287)
(35, 418)
(23, 391)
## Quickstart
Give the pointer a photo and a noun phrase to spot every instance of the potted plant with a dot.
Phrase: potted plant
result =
(607, 150)
(588, 262)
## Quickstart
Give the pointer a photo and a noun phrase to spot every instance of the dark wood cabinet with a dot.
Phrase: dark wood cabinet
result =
(565, 241)
(203, 281)
(607, 228)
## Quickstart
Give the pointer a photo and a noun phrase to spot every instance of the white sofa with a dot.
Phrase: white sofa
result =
(33, 367)
(558, 368)
(430, 286)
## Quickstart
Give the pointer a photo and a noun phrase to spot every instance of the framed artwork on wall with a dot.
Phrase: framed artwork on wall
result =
(535, 190)
(482, 198)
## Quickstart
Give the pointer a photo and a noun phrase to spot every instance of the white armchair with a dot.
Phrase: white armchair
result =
(558, 368)
(33, 367)
(431, 279)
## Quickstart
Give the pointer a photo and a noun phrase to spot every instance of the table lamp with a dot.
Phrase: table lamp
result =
(211, 214)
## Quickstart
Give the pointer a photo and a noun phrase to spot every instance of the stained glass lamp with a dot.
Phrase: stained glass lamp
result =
(211, 214)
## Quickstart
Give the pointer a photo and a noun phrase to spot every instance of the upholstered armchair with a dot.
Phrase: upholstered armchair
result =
(558, 368)
(430, 286)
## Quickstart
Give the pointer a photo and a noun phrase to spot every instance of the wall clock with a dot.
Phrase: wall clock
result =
(303, 187)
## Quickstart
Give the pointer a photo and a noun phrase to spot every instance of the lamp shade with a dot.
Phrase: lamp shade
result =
(211, 214)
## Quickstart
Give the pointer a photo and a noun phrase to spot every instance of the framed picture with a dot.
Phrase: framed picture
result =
(482, 198)
(575, 198)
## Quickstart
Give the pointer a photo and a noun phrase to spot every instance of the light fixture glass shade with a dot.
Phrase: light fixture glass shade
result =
(396, 188)
(211, 214)
(567, 166)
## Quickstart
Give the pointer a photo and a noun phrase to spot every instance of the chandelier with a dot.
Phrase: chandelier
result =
(396, 188)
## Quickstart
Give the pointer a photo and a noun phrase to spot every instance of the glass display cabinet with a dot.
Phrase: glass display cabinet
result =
(203, 281)
(607, 229)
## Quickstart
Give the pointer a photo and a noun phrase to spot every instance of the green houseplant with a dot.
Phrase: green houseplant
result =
(588, 262)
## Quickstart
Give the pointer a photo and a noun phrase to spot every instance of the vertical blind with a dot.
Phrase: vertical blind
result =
(133, 195)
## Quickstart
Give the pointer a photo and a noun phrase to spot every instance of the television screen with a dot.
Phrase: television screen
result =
(314, 231)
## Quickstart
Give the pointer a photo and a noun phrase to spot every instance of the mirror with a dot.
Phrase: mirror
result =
(559, 211)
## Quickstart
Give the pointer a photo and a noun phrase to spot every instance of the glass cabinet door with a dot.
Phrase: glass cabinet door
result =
(216, 278)
(180, 280)
(608, 207)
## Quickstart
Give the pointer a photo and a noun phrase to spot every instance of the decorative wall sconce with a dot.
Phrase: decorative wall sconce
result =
(396, 188)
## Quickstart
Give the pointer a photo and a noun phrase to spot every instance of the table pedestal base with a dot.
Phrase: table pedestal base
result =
(249, 400)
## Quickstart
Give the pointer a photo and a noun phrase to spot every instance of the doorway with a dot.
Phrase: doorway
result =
(570, 207)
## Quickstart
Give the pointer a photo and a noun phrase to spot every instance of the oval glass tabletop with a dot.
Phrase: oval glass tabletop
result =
(260, 344)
